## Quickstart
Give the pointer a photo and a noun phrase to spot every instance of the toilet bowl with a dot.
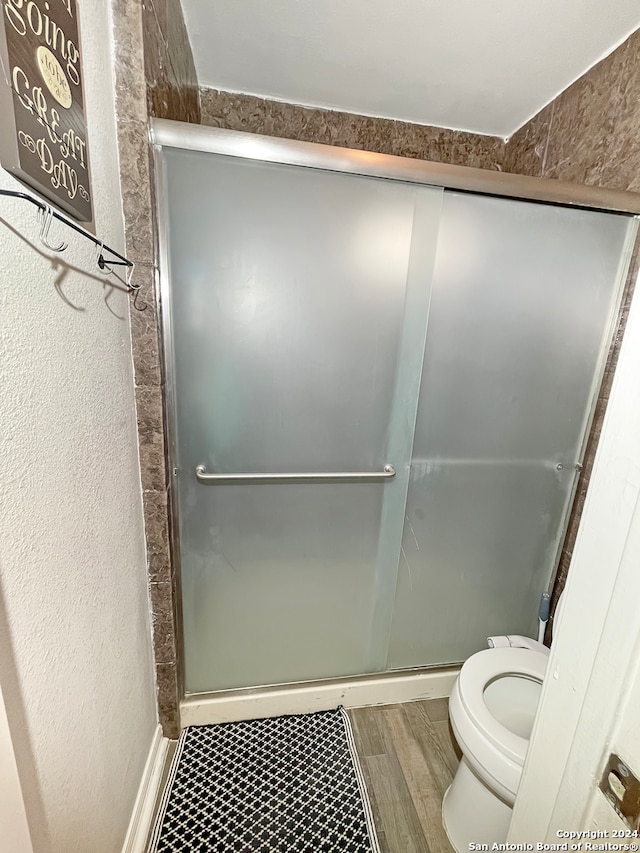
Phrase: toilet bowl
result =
(492, 709)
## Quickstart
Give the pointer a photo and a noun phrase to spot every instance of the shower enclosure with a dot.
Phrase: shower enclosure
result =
(379, 391)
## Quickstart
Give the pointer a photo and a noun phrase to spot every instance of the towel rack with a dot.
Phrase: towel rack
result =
(115, 259)
(316, 477)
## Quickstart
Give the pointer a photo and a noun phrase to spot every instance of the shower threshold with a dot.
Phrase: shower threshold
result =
(198, 709)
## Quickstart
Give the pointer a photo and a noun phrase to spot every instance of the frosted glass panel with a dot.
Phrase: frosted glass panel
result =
(522, 301)
(327, 322)
(287, 307)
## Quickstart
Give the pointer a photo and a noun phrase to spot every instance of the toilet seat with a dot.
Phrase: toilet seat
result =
(476, 674)
(494, 752)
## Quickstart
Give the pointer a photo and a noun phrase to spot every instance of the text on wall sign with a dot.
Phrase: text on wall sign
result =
(43, 138)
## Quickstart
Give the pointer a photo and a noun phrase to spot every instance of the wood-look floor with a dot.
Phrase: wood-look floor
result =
(408, 757)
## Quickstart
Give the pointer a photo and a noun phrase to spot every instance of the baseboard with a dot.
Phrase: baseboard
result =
(143, 810)
(203, 709)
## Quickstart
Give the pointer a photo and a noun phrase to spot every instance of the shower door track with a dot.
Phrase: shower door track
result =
(367, 689)
(312, 155)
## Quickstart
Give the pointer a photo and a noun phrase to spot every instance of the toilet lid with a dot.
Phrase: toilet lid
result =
(482, 668)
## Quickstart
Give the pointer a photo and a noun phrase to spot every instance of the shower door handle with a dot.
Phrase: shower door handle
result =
(387, 473)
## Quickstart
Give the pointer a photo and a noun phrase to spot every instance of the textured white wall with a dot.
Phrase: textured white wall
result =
(75, 652)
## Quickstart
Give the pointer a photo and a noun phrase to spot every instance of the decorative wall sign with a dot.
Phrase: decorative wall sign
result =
(43, 138)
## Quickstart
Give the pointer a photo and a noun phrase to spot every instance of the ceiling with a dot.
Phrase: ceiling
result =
(477, 65)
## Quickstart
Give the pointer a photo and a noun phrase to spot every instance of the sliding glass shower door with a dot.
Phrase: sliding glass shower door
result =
(288, 292)
(380, 393)
(522, 302)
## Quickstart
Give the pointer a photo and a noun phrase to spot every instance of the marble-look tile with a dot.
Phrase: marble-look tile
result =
(164, 90)
(559, 585)
(596, 123)
(590, 134)
(625, 307)
(176, 87)
(525, 152)
(144, 331)
(150, 409)
(156, 63)
(152, 460)
(135, 180)
(165, 101)
(156, 58)
(179, 49)
(172, 86)
(461, 149)
(164, 641)
(597, 424)
(436, 144)
(145, 77)
(161, 597)
(330, 127)
(160, 9)
(157, 535)
(191, 105)
(130, 83)
(621, 71)
(167, 693)
(151, 437)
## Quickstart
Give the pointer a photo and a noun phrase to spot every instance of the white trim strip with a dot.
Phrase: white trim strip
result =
(364, 794)
(230, 706)
(142, 815)
(167, 792)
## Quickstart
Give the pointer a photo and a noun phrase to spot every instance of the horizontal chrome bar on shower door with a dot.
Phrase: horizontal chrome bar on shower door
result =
(317, 477)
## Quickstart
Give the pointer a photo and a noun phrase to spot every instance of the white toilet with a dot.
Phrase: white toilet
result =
(492, 708)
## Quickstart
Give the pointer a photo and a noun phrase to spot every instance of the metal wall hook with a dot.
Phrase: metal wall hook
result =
(46, 218)
(137, 291)
(100, 261)
(129, 276)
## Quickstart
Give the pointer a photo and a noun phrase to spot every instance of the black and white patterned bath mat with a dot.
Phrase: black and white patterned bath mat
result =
(281, 785)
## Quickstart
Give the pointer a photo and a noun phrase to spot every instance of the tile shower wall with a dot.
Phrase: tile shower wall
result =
(155, 75)
(330, 127)
(590, 134)
(172, 85)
